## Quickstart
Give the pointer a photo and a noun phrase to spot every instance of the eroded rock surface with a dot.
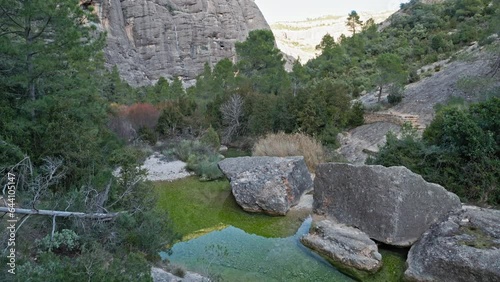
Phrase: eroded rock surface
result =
(347, 248)
(392, 205)
(464, 248)
(173, 38)
(267, 184)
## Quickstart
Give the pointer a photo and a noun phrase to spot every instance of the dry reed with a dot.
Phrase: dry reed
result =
(285, 145)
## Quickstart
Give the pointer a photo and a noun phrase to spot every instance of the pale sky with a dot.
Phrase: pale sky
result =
(289, 10)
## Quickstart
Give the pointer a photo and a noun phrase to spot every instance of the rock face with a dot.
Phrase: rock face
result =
(173, 38)
(392, 205)
(267, 184)
(357, 144)
(466, 247)
(347, 248)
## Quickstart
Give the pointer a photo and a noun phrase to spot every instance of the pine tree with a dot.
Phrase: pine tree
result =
(353, 22)
(51, 66)
(263, 63)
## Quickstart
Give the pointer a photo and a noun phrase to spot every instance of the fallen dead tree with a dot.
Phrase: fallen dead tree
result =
(100, 216)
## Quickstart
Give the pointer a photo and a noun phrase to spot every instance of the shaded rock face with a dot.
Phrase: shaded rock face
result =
(347, 248)
(173, 38)
(392, 205)
(267, 184)
(465, 247)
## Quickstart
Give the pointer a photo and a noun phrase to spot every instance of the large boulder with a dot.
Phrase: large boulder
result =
(466, 247)
(392, 205)
(347, 248)
(267, 184)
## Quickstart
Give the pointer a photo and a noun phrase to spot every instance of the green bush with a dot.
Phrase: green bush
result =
(413, 76)
(148, 135)
(459, 150)
(211, 138)
(395, 94)
(66, 241)
(357, 114)
(202, 159)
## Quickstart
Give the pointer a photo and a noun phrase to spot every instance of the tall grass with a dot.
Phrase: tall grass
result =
(284, 145)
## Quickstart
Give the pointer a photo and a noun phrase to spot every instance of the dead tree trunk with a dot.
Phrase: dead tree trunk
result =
(100, 216)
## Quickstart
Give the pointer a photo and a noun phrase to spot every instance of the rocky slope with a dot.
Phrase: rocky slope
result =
(299, 38)
(173, 38)
(440, 82)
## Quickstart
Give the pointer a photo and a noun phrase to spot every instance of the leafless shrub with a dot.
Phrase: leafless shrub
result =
(232, 112)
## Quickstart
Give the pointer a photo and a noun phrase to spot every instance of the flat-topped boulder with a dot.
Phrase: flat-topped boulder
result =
(347, 248)
(270, 185)
(392, 205)
(464, 248)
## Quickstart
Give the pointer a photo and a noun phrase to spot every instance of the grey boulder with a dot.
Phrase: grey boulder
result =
(160, 275)
(392, 205)
(347, 248)
(464, 248)
(267, 184)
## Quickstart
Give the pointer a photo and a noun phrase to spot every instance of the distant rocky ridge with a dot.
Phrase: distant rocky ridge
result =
(173, 38)
(299, 38)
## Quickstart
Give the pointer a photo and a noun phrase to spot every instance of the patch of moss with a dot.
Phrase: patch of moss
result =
(194, 205)
(481, 239)
(394, 266)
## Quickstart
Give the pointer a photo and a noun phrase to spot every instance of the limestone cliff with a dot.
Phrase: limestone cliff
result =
(173, 38)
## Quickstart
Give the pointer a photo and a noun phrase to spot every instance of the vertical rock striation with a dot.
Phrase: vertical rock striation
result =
(148, 39)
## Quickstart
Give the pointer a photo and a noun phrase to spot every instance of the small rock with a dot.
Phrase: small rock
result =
(347, 248)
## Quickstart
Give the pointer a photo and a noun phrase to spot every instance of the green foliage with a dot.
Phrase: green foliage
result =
(201, 158)
(90, 266)
(262, 62)
(459, 150)
(211, 138)
(389, 71)
(396, 92)
(48, 59)
(66, 241)
(357, 114)
(149, 135)
(323, 108)
(413, 76)
(353, 22)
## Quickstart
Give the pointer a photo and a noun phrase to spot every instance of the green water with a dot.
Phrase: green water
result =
(234, 255)
(195, 205)
(227, 243)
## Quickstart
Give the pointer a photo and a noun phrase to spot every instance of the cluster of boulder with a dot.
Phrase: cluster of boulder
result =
(357, 206)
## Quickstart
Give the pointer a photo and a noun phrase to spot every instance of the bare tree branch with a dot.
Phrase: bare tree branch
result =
(232, 111)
